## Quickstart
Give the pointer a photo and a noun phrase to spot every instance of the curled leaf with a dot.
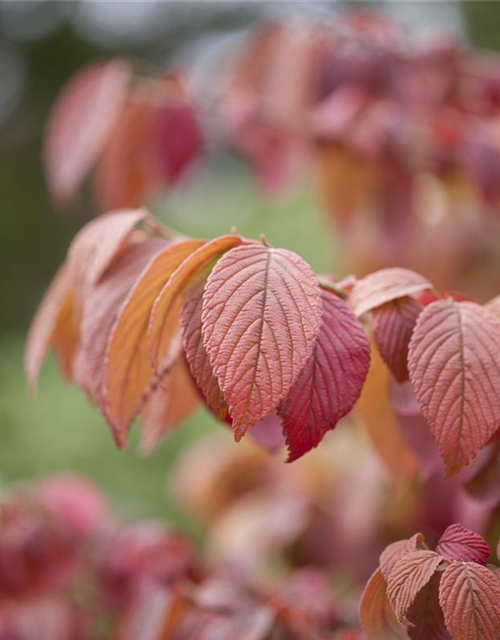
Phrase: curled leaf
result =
(377, 617)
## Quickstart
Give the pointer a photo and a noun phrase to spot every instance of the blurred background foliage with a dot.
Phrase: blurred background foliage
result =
(41, 46)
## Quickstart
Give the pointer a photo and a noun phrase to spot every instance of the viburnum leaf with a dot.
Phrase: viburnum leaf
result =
(100, 241)
(102, 305)
(81, 123)
(196, 354)
(173, 401)
(331, 381)
(454, 369)
(397, 550)
(464, 545)
(261, 318)
(392, 325)
(425, 618)
(470, 599)
(163, 322)
(128, 368)
(410, 574)
(377, 617)
(383, 286)
(54, 314)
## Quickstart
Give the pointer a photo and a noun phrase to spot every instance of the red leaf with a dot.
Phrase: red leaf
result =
(261, 317)
(470, 599)
(129, 374)
(398, 550)
(410, 574)
(384, 286)
(377, 618)
(464, 545)
(163, 322)
(172, 402)
(330, 383)
(196, 354)
(81, 123)
(455, 372)
(425, 618)
(392, 325)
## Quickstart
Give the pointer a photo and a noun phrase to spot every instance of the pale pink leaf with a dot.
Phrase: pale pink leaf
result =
(383, 286)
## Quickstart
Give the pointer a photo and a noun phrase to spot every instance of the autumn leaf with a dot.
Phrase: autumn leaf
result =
(377, 617)
(425, 618)
(397, 550)
(163, 321)
(455, 373)
(470, 599)
(384, 286)
(331, 381)
(81, 122)
(459, 543)
(261, 318)
(128, 368)
(392, 325)
(410, 574)
(196, 354)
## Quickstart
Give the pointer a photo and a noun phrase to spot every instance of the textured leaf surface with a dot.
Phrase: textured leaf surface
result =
(81, 123)
(392, 325)
(261, 317)
(377, 618)
(330, 383)
(196, 354)
(459, 543)
(55, 313)
(397, 550)
(425, 618)
(172, 402)
(128, 367)
(410, 574)
(163, 323)
(384, 286)
(470, 599)
(454, 367)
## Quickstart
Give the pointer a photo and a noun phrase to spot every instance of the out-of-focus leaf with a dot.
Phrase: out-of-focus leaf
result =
(81, 123)
(455, 372)
(330, 383)
(261, 318)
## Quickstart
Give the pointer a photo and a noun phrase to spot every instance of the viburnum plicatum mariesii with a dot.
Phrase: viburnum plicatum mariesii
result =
(151, 323)
(446, 594)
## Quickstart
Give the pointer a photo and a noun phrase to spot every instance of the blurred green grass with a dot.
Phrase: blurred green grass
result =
(60, 431)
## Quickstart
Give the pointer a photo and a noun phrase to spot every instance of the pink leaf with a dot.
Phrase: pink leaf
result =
(392, 326)
(459, 543)
(410, 574)
(454, 369)
(330, 383)
(261, 317)
(81, 123)
(384, 286)
(397, 550)
(470, 599)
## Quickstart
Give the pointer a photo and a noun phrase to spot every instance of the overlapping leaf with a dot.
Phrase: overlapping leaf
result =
(383, 286)
(455, 373)
(377, 617)
(397, 550)
(261, 318)
(425, 618)
(392, 325)
(331, 381)
(464, 545)
(470, 599)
